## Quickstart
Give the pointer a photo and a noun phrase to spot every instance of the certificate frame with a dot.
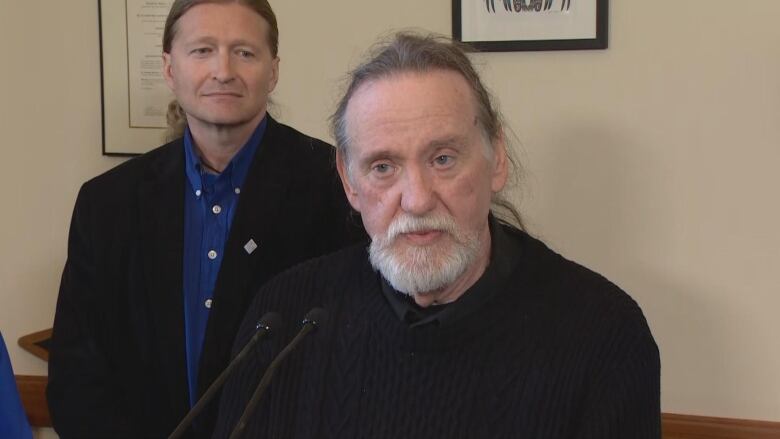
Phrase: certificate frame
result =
(531, 25)
(119, 136)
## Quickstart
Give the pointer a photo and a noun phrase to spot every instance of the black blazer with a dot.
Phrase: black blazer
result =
(117, 366)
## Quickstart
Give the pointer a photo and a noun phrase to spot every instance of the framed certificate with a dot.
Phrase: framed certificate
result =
(515, 25)
(134, 94)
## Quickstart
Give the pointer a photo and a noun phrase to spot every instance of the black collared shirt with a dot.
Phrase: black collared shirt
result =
(503, 257)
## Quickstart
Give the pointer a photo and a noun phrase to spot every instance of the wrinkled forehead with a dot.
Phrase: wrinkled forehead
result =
(410, 100)
(233, 17)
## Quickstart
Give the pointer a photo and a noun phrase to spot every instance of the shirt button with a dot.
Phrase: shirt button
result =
(216, 209)
(212, 255)
(197, 193)
(208, 303)
(237, 190)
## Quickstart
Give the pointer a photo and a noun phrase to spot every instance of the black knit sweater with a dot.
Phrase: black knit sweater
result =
(559, 353)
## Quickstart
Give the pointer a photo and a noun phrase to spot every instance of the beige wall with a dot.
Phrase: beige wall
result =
(652, 162)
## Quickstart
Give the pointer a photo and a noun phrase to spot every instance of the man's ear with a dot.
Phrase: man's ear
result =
(343, 168)
(274, 74)
(500, 166)
(167, 69)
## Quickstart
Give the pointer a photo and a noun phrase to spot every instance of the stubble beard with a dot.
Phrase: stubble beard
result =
(423, 269)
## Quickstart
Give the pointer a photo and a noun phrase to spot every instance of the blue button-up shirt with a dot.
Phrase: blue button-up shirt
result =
(210, 202)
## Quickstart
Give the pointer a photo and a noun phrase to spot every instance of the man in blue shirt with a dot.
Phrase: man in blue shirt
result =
(13, 422)
(166, 250)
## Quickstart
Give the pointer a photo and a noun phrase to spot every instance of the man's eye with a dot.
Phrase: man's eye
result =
(201, 51)
(381, 168)
(245, 54)
(443, 160)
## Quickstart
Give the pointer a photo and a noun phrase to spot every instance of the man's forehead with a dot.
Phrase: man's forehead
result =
(236, 19)
(409, 86)
(438, 97)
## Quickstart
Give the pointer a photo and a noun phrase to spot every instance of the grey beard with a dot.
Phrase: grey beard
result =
(419, 270)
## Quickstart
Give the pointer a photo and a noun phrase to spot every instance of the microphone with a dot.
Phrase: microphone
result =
(314, 318)
(269, 322)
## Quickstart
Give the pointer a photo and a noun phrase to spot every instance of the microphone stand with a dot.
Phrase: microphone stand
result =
(310, 322)
(266, 324)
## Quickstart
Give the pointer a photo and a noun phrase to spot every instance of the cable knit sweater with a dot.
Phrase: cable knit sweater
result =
(560, 352)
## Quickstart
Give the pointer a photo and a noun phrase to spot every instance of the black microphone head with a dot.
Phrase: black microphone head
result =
(270, 321)
(315, 317)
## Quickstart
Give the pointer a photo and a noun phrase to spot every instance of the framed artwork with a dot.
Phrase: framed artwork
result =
(518, 25)
(134, 94)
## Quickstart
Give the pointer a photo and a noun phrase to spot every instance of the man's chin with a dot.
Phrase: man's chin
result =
(422, 269)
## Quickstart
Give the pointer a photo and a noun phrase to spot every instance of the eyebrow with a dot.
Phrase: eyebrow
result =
(198, 39)
(455, 141)
(377, 155)
(450, 141)
(205, 39)
(244, 43)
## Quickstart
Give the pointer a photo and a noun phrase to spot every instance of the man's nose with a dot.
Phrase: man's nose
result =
(223, 68)
(418, 195)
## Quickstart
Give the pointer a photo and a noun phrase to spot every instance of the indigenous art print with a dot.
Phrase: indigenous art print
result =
(134, 94)
(515, 25)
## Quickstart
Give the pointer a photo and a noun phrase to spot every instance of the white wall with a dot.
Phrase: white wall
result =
(652, 162)
(50, 140)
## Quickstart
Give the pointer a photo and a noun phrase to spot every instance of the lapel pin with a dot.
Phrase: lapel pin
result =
(250, 246)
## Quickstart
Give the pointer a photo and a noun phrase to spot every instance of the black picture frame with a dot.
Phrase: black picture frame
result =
(119, 137)
(599, 42)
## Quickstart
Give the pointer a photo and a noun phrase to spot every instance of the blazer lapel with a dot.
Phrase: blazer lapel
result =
(161, 201)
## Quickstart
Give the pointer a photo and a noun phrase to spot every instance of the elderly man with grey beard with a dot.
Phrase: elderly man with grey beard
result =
(453, 323)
